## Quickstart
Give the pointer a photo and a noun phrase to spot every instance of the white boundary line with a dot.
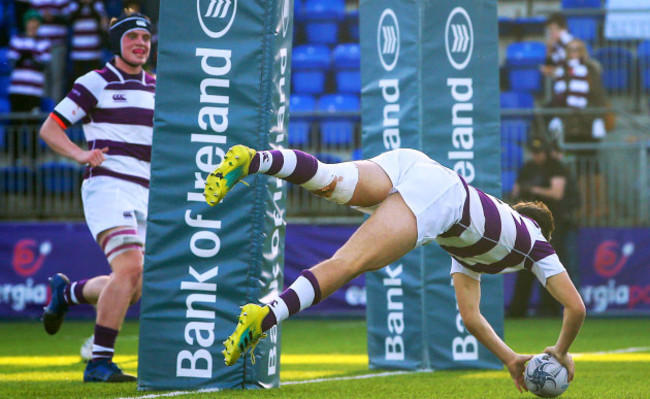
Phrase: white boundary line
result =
(355, 377)
(364, 376)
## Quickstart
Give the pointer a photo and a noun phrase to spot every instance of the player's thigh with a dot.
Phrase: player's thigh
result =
(386, 236)
(373, 186)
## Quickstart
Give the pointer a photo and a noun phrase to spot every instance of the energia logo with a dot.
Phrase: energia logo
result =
(216, 16)
(388, 39)
(459, 38)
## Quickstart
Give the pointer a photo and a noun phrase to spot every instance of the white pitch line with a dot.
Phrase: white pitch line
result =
(364, 376)
(624, 350)
(355, 377)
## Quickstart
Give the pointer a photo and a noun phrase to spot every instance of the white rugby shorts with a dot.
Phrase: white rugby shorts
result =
(432, 192)
(109, 202)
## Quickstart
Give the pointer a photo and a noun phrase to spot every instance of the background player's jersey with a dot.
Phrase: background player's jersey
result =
(493, 238)
(117, 112)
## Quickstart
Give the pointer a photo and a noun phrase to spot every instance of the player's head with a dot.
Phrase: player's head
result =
(555, 24)
(130, 37)
(540, 213)
(576, 49)
(32, 20)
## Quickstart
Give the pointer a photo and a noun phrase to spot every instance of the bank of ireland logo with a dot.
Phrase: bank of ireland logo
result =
(459, 38)
(216, 16)
(388, 39)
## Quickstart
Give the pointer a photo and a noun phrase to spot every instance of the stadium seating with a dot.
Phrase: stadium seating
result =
(310, 64)
(584, 28)
(357, 154)
(5, 65)
(16, 179)
(322, 20)
(5, 80)
(300, 126)
(338, 130)
(47, 105)
(643, 55)
(508, 180)
(5, 106)
(523, 60)
(352, 23)
(58, 177)
(347, 61)
(618, 68)
(581, 4)
(325, 157)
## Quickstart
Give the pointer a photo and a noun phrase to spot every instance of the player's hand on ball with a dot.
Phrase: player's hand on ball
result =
(92, 157)
(516, 368)
(565, 359)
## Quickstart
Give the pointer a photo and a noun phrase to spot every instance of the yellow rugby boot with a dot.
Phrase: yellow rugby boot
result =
(233, 168)
(247, 334)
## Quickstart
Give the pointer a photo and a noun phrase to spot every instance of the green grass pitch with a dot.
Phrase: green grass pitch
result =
(35, 365)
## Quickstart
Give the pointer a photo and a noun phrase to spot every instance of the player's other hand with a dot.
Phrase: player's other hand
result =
(92, 157)
(564, 358)
(516, 368)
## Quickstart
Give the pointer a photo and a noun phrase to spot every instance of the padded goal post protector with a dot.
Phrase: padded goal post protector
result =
(430, 82)
(223, 79)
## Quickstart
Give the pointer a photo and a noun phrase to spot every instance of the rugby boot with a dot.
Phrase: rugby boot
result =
(247, 334)
(104, 370)
(55, 311)
(233, 168)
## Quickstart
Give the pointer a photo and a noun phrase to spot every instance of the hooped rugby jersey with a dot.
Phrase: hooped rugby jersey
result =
(493, 238)
(116, 110)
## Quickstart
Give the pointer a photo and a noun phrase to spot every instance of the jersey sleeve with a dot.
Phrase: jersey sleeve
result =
(80, 100)
(458, 268)
(547, 267)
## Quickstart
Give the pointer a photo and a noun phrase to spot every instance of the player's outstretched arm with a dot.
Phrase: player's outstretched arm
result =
(468, 295)
(562, 289)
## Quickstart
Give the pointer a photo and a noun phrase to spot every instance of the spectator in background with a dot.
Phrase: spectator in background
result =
(55, 28)
(578, 85)
(89, 25)
(30, 54)
(557, 38)
(543, 178)
(20, 8)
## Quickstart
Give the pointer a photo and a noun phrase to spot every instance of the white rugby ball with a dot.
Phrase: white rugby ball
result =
(545, 376)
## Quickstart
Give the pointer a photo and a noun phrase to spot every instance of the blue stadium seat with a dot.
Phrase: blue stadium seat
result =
(347, 61)
(643, 55)
(325, 157)
(514, 100)
(618, 68)
(583, 28)
(58, 177)
(338, 130)
(322, 20)
(581, 4)
(5, 80)
(352, 22)
(508, 180)
(357, 154)
(512, 156)
(523, 60)
(5, 65)
(300, 126)
(298, 11)
(5, 105)
(309, 67)
(47, 105)
(16, 179)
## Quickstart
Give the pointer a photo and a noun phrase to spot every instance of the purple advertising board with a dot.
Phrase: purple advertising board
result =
(615, 270)
(32, 252)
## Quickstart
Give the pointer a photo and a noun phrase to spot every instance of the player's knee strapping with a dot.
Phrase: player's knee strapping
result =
(335, 182)
(120, 241)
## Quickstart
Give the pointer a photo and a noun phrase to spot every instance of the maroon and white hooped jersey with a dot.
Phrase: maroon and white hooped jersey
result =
(116, 110)
(493, 238)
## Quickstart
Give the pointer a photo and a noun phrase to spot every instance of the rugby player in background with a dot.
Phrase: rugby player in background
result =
(413, 200)
(115, 105)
